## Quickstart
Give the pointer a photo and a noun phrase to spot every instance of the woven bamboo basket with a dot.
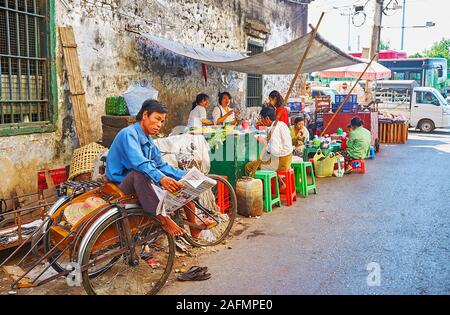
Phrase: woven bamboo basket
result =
(83, 159)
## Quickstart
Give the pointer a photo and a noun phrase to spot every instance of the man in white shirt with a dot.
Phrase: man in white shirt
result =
(278, 155)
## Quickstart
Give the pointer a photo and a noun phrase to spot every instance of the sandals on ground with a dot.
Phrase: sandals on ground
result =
(195, 273)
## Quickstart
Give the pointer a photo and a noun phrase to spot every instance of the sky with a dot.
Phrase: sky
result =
(334, 26)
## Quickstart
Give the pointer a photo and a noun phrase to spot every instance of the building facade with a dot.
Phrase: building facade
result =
(37, 130)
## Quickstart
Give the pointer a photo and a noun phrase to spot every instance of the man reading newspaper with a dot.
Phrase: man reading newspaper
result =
(135, 164)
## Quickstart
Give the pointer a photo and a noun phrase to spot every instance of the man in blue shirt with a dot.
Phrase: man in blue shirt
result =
(135, 162)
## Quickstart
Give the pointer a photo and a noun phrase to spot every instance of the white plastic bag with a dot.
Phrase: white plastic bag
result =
(137, 93)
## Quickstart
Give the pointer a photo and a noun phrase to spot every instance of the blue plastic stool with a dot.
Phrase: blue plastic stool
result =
(372, 152)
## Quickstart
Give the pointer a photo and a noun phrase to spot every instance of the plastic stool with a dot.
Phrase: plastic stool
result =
(297, 166)
(306, 187)
(269, 197)
(222, 193)
(312, 163)
(301, 181)
(372, 152)
(289, 194)
(360, 166)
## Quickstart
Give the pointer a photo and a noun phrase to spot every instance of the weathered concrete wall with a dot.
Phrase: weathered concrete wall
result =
(110, 57)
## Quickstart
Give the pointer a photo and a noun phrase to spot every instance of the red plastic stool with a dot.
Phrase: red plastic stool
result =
(222, 199)
(361, 167)
(289, 194)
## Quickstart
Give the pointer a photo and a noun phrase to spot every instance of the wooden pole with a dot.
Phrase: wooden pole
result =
(347, 96)
(291, 86)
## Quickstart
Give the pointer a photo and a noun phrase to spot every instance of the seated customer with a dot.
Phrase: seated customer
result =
(358, 143)
(299, 135)
(278, 155)
(135, 162)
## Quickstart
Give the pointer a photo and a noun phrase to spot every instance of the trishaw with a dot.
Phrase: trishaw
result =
(117, 248)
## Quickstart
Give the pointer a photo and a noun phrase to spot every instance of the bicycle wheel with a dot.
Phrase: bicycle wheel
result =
(58, 260)
(218, 205)
(108, 255)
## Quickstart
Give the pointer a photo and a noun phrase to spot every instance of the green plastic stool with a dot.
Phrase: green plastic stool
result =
(270, 198)
(301, 178)
(297, 166)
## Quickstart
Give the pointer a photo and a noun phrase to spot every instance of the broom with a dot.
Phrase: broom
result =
(252, 167)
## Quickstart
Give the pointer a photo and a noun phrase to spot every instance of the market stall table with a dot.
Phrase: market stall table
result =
(230, 157)
(333, 147)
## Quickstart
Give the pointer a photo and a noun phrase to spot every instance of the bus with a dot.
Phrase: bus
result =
(429, 72)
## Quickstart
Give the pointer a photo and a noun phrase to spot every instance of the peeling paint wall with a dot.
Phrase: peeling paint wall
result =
(110, 57)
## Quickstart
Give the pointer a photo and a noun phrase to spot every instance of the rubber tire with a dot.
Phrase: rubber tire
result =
(46, 240)
(424, 122)
(232, 215)
(85, 255)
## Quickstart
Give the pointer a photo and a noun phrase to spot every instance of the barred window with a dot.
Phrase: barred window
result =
(254, 81)
(24, 62)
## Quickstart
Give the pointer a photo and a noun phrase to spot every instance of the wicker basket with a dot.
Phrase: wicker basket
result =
(83, 159)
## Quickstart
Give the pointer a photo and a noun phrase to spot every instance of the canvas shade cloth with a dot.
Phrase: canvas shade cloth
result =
(375, 71)
(281, 60)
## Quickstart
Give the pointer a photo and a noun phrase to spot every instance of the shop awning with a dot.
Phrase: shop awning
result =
(280, 60)
(375, 71)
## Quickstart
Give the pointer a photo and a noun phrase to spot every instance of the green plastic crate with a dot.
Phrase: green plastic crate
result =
(116, 105)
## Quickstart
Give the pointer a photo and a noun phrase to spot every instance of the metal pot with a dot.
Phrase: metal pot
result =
(324, 145)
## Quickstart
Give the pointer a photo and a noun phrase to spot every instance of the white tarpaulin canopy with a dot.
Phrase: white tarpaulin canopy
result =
(280, 60)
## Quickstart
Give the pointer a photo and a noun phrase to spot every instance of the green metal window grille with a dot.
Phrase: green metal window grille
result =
(25, 63)
(254, 81)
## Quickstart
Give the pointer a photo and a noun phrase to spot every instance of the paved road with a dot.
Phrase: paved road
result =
(396, 216)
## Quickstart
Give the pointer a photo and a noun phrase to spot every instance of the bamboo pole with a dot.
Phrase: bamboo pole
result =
(347, 96)
(291, 86)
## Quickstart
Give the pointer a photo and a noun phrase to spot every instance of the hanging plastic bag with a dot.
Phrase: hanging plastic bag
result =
(137, 93)
(325, 166)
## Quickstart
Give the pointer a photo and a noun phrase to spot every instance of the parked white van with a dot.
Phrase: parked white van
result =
(424, 107)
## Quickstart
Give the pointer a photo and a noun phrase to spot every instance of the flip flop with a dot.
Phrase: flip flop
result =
(195, 273)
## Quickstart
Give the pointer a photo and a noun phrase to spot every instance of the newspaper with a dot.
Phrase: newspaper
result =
(195, 183)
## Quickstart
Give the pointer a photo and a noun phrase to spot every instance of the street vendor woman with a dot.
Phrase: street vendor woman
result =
(223, 113)
(358, 143)
(135, 162)
(299, 135)
(276, 100)
(197, 116)
(278, 155)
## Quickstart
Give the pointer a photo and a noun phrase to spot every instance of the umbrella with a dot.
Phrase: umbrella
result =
(376, 71)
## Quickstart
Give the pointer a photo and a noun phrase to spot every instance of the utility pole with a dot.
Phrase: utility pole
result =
(349, 25)
(403, 24)
(349, 14)
(376, 30)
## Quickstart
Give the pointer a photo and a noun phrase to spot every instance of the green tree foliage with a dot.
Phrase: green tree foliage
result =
(439, 49)
(384, 45)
